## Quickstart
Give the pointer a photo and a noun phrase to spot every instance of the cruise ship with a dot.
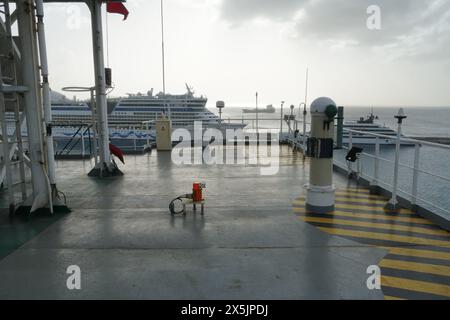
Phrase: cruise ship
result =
(133, 117)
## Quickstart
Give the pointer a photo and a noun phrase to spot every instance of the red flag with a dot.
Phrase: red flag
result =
(117, 7)
(117, 152)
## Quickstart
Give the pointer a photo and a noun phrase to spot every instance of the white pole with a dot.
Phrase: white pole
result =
(304, 109)
(46, 92)
(32, 103)
(163, 54)
(350, 140)
(306, 86)
(82, 142)
(281, 119)
(304, 126)
(94, 126)
(416, 174)
(257, 117)
(100, 86)
(148, 135)
(393, 203)
(376, 162)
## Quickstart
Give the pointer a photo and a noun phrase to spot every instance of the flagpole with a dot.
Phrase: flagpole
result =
(107, 38)
(163, 58)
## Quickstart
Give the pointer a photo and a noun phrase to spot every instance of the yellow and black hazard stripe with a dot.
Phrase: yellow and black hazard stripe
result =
(418, 263)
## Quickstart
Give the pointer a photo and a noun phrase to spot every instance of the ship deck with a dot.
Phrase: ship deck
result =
(255, 240)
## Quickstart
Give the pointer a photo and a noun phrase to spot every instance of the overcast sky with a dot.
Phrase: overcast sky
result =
(229, 49)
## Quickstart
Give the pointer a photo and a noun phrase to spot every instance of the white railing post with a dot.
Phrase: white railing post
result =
(148, 136)
(350, 140)
(415, 174)
(376, 162)
(82, 142)
(304, 128)
(393, 203)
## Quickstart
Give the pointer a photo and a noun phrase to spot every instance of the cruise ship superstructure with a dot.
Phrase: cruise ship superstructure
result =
(133, 117)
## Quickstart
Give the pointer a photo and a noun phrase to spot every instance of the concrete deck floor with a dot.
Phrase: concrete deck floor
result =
(248, 245)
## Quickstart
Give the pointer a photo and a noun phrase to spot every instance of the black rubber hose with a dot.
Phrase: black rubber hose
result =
(172, 204)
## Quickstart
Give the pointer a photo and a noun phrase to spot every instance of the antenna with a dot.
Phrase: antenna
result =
(162, 48)
(163, 59)
(306, 87)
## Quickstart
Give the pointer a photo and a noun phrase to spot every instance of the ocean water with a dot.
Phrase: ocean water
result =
(420, 121)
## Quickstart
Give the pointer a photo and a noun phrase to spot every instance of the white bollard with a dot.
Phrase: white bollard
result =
(320, 192)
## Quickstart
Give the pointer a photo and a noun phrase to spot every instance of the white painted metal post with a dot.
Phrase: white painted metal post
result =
(281, 119)
(148, 135)
(376, 162)
(304, 127)
(257, 117)
(32, 101)
(94, 126)
(393, 203)
(82, 142)
(350, 140)
(100, 91)
(51, 167)
(415, 174)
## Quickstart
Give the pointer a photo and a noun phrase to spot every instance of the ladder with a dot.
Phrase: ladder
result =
(9, 94)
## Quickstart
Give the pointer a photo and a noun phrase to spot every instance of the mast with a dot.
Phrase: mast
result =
(163, 61)
(306, 86)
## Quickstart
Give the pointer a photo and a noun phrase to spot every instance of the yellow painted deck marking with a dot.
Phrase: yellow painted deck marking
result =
(416, 266)
(352, 196)
(357, 194)
(301, 202)
(392, 298)
(359, 200)
(361, 206)
(378, 225)
(355, 190)
(415, 285)
(371, 216)
(386, 237)
(419, 253)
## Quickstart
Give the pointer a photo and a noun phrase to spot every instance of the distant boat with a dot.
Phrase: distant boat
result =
(366, 127)
(268, 109)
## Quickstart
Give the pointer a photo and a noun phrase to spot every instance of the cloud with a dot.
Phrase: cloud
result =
(408, 27)
(239, 11)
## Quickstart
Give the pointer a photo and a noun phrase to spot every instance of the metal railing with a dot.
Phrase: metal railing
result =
(376, 179)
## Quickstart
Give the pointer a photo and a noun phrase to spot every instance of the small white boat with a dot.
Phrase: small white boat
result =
(367, 126)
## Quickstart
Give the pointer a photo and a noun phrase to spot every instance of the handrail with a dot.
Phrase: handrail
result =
(375, 180)
(402, 139)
